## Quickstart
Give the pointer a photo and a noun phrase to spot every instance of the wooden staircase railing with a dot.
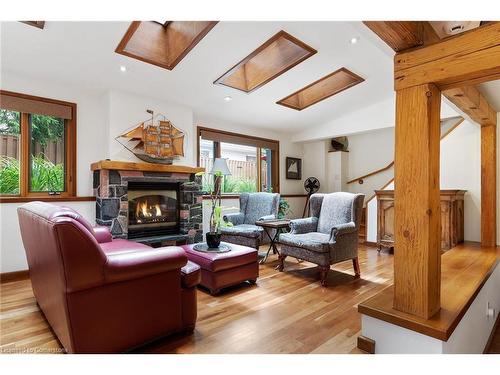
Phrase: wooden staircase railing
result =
(360, 179)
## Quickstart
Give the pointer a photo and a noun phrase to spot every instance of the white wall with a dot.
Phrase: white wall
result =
(375, 116)
(314, 163)
(92, 126)
(92, 145)
(12, 255)
(127, 110)
(368, 152)
(337, 165)
(498, 178)
(460, 168)
(101, 116)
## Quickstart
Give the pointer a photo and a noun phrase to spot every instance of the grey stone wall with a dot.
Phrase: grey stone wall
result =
(110, 190)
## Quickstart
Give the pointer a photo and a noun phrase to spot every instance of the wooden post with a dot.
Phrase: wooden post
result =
(417, 253)
(488, 185)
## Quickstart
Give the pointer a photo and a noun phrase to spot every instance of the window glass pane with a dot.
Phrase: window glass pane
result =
(265, 170)
(10, 142)
(47, 154)
(207, 161)
(242, 162)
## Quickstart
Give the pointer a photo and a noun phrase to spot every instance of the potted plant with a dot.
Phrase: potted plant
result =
(283, 209)
(219, 170)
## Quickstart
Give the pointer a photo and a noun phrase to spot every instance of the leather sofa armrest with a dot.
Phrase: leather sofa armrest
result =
(132, 265)
(190, 275)
(102, 234)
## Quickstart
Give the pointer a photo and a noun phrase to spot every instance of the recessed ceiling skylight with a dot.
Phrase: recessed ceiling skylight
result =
(273, 58)
(164, 45)
(321, 89)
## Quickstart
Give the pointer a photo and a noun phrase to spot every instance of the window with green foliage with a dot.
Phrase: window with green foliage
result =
(47, 166)
(251, 160)
(37, 151)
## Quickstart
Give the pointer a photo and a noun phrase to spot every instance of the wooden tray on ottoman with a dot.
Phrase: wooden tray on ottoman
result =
(220, 270)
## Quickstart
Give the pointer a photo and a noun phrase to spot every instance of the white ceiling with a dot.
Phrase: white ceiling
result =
(83, 53)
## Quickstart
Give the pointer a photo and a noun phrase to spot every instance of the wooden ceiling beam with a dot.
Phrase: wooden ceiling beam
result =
(467, 98)
(472, 103)
(399, 35)
(469, 58)
(466, 43)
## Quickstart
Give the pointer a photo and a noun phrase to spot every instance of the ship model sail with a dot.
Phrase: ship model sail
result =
(155, 141)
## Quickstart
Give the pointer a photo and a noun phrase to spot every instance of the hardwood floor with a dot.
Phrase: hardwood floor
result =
(285, 312)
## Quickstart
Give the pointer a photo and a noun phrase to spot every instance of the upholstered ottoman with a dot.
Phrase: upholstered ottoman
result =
(220, 270)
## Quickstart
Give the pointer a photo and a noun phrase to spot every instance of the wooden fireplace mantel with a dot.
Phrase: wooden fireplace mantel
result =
(144, 167)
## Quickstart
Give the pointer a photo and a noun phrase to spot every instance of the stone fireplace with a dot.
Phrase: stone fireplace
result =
(149, 202)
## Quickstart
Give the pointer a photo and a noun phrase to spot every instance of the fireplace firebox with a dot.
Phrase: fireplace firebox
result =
(153, 208)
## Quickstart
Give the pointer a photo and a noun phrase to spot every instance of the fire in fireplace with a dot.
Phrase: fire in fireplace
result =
(153, 208)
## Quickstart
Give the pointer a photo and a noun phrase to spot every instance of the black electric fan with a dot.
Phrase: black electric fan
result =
(311, 184)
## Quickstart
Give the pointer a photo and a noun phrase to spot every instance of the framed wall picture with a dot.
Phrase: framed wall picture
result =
(293, 168)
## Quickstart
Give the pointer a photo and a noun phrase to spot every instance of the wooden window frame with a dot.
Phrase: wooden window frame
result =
(236, 138)
(70, 133)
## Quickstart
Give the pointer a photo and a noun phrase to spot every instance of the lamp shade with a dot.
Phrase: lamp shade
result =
(220, 165)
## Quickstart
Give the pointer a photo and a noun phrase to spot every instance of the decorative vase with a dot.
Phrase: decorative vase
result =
(213, 239)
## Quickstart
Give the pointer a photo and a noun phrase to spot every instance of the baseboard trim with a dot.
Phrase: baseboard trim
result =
(366, 344)
(8, 277)
(369, 243)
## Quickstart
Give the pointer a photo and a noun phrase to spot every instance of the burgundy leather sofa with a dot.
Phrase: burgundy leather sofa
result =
(102, 295)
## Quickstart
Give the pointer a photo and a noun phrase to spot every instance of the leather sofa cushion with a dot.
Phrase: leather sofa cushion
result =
(130, 265)
(190, 275)
(122, 246)
(69, 212)
(238, 256)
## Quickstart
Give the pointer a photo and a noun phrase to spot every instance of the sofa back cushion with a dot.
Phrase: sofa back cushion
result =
(260, 204)
(69, 212)
(336, 208)
(60, 246)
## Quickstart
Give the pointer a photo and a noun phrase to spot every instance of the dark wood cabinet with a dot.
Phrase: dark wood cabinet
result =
(452, 218)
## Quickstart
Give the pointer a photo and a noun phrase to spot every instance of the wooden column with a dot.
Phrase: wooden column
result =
(488, 185)
(417, 254)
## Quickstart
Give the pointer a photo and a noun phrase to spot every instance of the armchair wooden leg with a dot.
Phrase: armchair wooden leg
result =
(355, 264)
(323, 274)
(281, 265)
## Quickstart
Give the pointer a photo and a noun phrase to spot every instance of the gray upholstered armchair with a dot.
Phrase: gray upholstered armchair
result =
(253, 207)
(329, 236)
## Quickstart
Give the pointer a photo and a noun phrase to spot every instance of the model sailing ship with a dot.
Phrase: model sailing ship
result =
(155, 140)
